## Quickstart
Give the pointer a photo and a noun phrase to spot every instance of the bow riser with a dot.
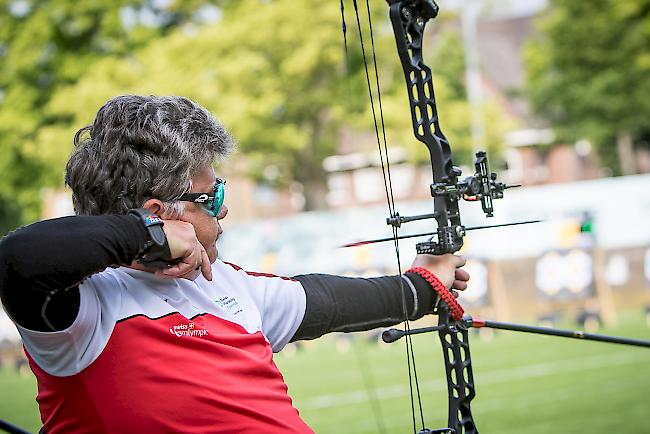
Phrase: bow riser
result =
(409, 19)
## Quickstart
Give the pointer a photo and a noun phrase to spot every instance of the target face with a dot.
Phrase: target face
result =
(565, 274)
(646, 266)
(617, 271)
(477, 287)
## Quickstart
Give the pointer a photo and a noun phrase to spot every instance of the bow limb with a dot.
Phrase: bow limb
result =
(409, 18)
(460, 377)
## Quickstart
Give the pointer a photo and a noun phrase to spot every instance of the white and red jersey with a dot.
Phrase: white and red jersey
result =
(153, 355)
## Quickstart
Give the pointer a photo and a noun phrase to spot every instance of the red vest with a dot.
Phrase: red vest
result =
(149, 355)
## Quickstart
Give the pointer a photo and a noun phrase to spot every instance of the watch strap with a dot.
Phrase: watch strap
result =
(155, 253)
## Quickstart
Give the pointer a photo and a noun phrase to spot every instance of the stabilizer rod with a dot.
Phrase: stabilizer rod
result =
(11, 429)
(391, 335)
(394, 334)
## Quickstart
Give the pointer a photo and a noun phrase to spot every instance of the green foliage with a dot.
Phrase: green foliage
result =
(274, 72)
(44, 47)
(282, 84)
(448, 65)
(588, 70)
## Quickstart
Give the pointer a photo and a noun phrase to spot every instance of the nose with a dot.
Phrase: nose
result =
(223, 212)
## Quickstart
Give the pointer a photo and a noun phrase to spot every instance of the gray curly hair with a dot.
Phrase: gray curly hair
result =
(142, 147)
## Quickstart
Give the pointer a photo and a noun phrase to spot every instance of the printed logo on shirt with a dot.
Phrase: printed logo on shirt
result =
(188, 329)
(230, 304)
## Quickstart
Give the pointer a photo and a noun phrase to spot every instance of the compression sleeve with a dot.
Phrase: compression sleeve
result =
(41, 265)
(345, 304)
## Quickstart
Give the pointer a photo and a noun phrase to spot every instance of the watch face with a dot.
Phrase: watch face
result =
(153, 224)
(152, 219)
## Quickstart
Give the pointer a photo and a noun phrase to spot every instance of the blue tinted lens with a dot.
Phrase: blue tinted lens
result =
(217, 201)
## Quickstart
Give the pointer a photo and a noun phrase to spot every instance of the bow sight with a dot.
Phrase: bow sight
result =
(482, 186)
(409, 18)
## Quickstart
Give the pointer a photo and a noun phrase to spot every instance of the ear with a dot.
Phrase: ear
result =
(155, 206)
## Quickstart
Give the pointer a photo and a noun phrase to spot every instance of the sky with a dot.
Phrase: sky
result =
(500, 8)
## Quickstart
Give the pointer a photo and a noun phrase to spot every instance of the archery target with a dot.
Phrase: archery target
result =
(549, 273)
(477, 287)
(564, 274)
(646, 265)
(580, 273)
(617, 271)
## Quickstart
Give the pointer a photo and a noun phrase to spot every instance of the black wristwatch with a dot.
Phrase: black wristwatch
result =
(155, 253)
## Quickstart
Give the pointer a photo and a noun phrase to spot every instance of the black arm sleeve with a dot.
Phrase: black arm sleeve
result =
(345, 304)
(42, 264)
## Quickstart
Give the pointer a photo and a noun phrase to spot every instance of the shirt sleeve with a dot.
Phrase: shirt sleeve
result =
(42, 265)
(280, 301)
(69, 351)
(350, 304)
(60, 352)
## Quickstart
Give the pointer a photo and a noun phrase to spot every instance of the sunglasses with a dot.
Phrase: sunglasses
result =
(211, 202)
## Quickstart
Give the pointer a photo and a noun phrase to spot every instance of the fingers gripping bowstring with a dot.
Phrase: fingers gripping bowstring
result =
(385, 166)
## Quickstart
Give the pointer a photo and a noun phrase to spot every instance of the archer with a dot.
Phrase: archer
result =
(130, 321)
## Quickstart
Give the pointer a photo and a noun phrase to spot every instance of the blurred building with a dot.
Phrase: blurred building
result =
(532, 155)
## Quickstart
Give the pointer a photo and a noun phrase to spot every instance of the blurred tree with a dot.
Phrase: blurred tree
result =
(47, 45)
(588, 74)
(282, 87)
(449, 68)
(274, 73)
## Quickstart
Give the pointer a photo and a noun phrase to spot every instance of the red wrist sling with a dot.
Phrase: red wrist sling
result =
(455, 309)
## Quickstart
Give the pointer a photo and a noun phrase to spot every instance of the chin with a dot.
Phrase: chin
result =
(213, 254)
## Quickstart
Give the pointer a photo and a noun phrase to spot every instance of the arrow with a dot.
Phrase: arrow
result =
(381, 240)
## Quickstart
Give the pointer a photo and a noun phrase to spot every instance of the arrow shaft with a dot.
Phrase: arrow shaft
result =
(402, 237)
(477, 323)
(525, 222)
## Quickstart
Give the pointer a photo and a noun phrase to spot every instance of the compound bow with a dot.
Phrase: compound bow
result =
(408, 18)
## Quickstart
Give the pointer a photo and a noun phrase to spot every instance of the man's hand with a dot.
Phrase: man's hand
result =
(186, 251)
(446, 268)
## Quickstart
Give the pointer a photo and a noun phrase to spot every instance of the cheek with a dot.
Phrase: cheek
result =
(207, 231)
(207, 235)
(205, 226)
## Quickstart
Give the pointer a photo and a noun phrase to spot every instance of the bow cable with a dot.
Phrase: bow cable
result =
(366, 373)
(393, 213)
(410, 357)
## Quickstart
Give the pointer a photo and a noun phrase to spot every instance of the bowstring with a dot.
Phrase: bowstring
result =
(407, 325)
(410, 357)
(366, 374)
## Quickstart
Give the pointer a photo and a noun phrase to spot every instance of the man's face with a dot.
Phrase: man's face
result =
(207, 228)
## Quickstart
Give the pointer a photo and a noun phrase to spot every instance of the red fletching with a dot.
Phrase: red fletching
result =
(478, 323)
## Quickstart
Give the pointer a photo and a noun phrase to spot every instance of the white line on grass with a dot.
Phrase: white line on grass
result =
(491, 377)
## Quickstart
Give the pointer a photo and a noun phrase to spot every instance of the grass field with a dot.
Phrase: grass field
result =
(524, 384)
